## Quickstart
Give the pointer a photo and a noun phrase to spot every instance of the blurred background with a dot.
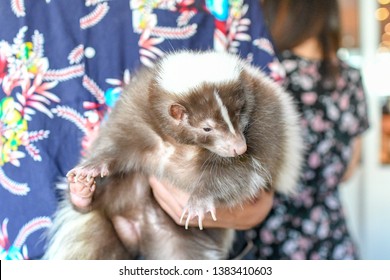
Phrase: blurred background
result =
(366, 45)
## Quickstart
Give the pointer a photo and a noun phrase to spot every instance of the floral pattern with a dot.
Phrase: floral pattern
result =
(312, 224)
(18, 249)
(63, 65)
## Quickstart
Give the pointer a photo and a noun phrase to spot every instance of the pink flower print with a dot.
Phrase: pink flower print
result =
(312, 70)
(3, 67)
(266, 251)
(267, 237)
(315, 256)
(354, 128)
(91, 135)
(331, 173)
(344, 102)
(290, 65)
(305, 197)
(314, 160)
(296, 222)
(278, 73)
(309, 98)
(349, 123)
(304, 243)
(306, 82)
(298, 255)
(318, 124)
(354, 76)
(316, 214)
(341, 83)
(360, 94)
(335, 95)
(338, 167)
(331, 181)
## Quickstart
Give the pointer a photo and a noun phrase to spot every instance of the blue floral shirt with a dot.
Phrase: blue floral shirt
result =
(62, 66)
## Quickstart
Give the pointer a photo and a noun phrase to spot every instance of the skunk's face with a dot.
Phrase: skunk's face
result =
(211, 117)
(210, 103)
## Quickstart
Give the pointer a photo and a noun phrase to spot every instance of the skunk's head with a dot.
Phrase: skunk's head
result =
(209, 102)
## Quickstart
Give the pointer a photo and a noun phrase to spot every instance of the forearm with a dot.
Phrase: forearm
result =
(355, 159)
(243, 217)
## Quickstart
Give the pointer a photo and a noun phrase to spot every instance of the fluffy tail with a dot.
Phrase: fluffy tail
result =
(294, 147)
(89, 236)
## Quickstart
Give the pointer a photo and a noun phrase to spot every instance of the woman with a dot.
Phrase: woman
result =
(331, 100)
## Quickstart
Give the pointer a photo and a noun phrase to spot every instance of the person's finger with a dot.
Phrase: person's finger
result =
(169, 208)
(166, 190)
(165, 199)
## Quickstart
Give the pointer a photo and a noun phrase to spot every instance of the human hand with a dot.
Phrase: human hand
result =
(242, 217)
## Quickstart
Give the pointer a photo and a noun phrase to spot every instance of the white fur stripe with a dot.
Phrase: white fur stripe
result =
(294, 147)
(185, 71)
(224, 112)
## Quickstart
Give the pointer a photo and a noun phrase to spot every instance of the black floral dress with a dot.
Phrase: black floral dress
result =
(312, 224)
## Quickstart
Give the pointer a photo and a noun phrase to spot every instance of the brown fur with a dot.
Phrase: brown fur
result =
(138, 135)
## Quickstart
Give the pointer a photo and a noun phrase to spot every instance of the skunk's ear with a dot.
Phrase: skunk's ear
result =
(177, 111)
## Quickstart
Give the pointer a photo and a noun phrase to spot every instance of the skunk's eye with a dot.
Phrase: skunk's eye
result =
(207, 129)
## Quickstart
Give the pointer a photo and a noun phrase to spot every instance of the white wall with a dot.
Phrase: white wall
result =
(376, 191)
(367, 195)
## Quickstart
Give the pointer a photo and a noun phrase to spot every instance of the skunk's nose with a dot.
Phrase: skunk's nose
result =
(239, 149)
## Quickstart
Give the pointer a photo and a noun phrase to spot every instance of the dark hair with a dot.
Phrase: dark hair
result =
(291, 22)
